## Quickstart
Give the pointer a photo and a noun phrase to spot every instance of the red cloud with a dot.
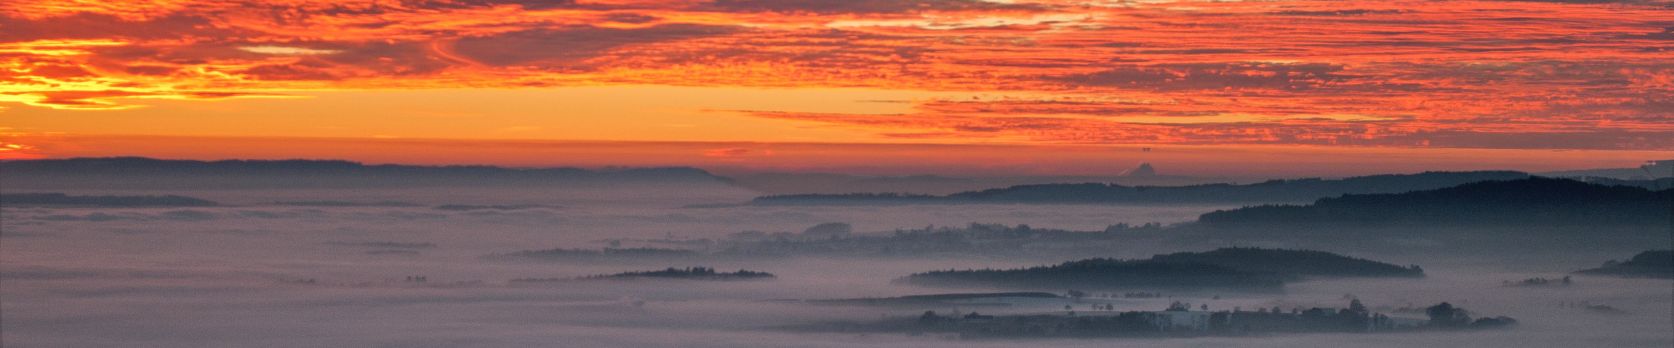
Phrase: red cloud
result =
(1538, 74)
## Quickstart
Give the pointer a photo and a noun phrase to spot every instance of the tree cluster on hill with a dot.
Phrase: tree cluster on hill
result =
(1648, 264)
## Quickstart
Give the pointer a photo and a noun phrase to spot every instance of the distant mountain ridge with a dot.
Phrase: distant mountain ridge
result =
(1530, 201)
(139, 172)
(795, 183)
(1295, 190)
(1662, 169)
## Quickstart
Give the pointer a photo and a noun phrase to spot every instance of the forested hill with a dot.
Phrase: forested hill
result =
(1275, 191)
(138, 172)
(1309, 263)
(1530, 201)
(1649, 264)
(1233, 268)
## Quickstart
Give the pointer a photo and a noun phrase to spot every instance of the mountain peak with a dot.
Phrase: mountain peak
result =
(1143, 170)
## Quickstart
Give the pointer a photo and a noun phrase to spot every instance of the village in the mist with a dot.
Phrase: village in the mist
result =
(142, 253)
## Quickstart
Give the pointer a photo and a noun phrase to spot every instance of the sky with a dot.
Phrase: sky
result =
(909, 86)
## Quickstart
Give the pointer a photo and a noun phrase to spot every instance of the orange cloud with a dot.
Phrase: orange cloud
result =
(1491, 74)
(735, 152)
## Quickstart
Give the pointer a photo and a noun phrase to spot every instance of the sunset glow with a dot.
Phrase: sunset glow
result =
(1431, 81)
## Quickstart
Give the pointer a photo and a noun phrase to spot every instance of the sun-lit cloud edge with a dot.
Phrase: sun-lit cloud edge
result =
(1363, 73)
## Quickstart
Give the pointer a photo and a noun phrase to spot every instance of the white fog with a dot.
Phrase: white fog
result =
(258, 273)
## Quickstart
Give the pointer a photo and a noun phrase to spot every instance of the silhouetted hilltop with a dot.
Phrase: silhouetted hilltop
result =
(1247, 268)
(1309, 263)
(1649, 264)
(1298, 190)
(59, 199)
(689, 273)
(1531, 201)
(136, 172)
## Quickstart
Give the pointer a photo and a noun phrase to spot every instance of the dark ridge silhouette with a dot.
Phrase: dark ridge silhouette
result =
(1306, 263)
(138, 172)
(1236, 268)
(1657, 184)
(1648, 264)
(1531, 201)
(690, 273)
(1298, 190)
(59, 199)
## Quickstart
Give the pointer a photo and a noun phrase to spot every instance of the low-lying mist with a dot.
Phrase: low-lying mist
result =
(265, 270)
